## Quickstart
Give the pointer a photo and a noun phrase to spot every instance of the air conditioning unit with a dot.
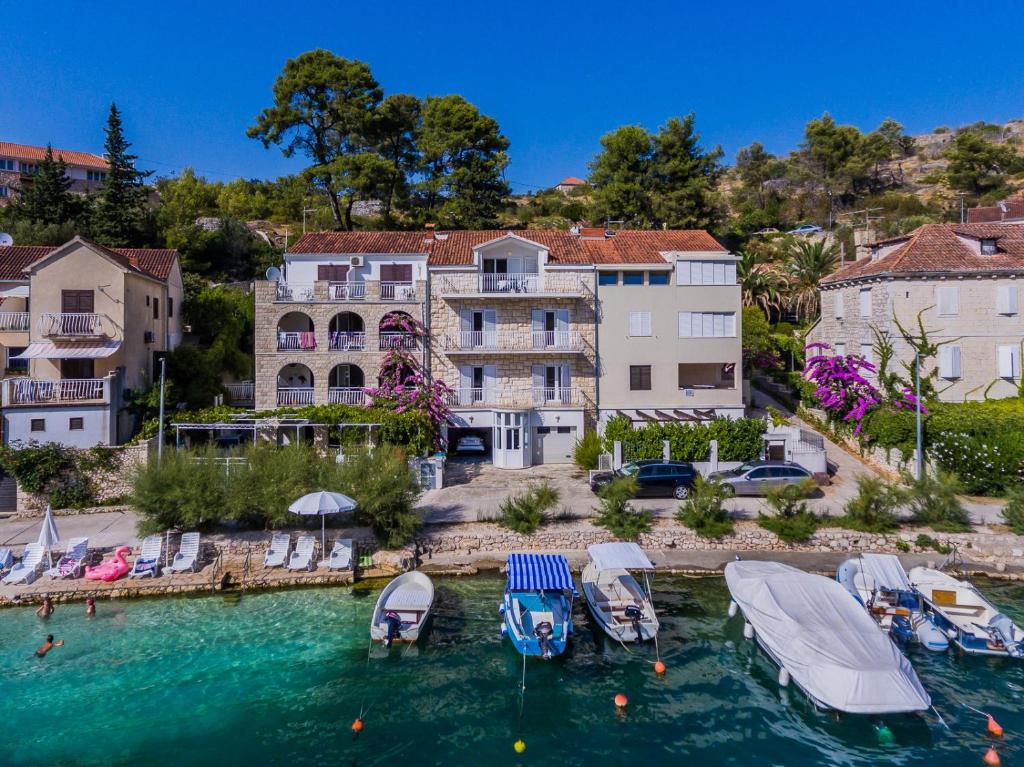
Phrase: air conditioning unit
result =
(149, 337)
(356, 261)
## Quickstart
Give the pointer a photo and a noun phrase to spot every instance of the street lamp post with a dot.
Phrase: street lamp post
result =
(917, 411)
(304, 212)
(160, 428)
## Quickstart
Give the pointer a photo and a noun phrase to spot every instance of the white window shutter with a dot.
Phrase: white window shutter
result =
(1009, 361)
(1006, 299)
(730, 273)
(949, 362)
(837, 304)
(682, 272)
(949, 300)
(639, 323)
(840, 350)
(865, 302)
(718, 328)
(866, 352)
(684, 325)
(719, 272)
(708, 276)
(730, 325)
(708, 329)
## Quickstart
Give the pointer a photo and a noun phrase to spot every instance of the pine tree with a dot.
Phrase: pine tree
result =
(47, 198)
(121, 211)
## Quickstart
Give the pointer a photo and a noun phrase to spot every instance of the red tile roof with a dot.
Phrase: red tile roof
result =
(456, 247)
(571, 181)
(36, 153)
(15, 259)
(152, 261)
(1009, 209)
(942, 249)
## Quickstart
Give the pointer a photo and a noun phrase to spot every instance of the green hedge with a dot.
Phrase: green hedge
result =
(66, 476)
(739, 440)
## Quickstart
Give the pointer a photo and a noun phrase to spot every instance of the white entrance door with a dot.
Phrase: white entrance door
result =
(510, 440)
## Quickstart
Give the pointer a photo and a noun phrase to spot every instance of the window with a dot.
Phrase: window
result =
(1009, 361)
(639, 377)
(28, 168)
(657, 278)
(865, 302)
(563, 429)
(147, 300)
(38, 424)
(76, 424)
(837, 304)
(707, 324)
(949, 362)
(6, 164)
(332, 272)
(77, 302)
(639, 324)
(988, 247)
(705, 273)
(840, 349)
(608, 278)
(156, 308)
(948, 300)
(170, 306)
(4, 191)
(867, 352)
(96, 175)
(632, 278)
(1006, 299)
(14, 365)
(543, 429)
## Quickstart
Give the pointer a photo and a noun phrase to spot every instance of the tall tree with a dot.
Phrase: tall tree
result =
(323, 105)
(47, 198)
(684, 177)
(119, 216)
(977, 165)
(809, 263)
(621, 177)
(462, 160)
(832, 155)
(393, 130)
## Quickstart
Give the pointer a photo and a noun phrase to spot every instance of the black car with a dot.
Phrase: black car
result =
(654, 479)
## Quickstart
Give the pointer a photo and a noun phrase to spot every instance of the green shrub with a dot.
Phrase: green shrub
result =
(617, 515)
(526, 512)
(793, 529)
(927, 542)
(385, 490)
(738, 440)
(793, 520)
(874, 508)
(1013, 511)
(587, 451)
(935, 503)
(703, 510)
(902, 546)
(185, 490)
(986, 464)
(66, 476)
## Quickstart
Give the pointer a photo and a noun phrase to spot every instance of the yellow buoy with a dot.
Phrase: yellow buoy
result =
(519, 746)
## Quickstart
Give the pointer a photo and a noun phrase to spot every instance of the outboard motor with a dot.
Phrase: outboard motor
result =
(1001, 628)
(544, 632)
(634, 614)
(394, 621)
(901, 630)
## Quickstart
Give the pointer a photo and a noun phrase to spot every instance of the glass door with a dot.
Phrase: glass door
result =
(510, 444)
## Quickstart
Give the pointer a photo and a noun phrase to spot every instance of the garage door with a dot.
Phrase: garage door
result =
(553, 444)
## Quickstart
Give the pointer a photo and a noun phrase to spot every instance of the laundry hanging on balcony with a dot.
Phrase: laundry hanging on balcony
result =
(48, 350)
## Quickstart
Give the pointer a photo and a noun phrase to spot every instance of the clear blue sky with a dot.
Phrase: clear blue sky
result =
(191, 76)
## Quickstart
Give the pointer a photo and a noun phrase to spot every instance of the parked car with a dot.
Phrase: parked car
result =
(757, 477)
(470, 444)
(654, 478)
(768, 230)
(806, 229)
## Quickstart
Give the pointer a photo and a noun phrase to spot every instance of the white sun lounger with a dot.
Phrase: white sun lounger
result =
(341, 555)
(6, 560)
(70, 565)
(148, 561)
(187, 557)
(302, 557)
(28, 568)
(277, 554)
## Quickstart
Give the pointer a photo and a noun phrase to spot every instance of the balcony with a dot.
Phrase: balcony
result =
(35, 391)
(346, 395)
(516, 397)
(287, 291)
(346, 291)
(296, 341)
(74, 325)
(324, 292)
(512, 285)
(241, 393)
(347, 342)
(295, 395)
(389, 341)
(397, 291)
(513, 342)
(14, 321)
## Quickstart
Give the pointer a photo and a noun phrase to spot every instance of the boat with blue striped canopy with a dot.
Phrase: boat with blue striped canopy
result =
(537, 606)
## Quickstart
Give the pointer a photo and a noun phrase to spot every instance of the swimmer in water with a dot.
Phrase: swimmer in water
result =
(48, 645)
(45, 609)
(90, 608)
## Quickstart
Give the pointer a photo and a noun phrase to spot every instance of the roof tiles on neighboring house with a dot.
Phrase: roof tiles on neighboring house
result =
(1010, 209)
(156, 263)
(940, 249)
(37, 153)
(15, 259)
(571, 181)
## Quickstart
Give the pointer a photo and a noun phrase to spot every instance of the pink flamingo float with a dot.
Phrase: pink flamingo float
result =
(110, 569)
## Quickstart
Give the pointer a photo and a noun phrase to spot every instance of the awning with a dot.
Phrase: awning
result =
(20, 291)
(616, 556)
(532, 572)
(76, 350)
(886, 571)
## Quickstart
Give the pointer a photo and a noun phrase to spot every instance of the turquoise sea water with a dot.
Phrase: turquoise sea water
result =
(278, 678)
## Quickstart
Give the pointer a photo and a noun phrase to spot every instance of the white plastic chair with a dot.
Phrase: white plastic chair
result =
(148, 561)
(341, 555)
(302, 557)
(277, 554)
(28, 568)
(70, 565)
(187, 557)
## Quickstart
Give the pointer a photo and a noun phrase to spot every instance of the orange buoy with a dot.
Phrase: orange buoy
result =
(991, 758)
(357, 726)
(621, 700)
(659, 667)
(994, 728)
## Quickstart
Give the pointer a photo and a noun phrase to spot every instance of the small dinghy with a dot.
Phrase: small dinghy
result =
(619, 604)
(537, 608)
(402, 609)
(970, 620)
(880, 584)
(822, 640)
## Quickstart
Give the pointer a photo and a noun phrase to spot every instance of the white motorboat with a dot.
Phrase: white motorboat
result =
(619, 604)
(402, 609)
(880, 584)
(822, 640)
(970, 620)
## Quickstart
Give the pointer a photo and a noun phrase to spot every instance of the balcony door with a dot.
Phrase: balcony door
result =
(77, 369)
(552, 384)
(74, 302)
(476, 384)
(478, 328)
(550, 328)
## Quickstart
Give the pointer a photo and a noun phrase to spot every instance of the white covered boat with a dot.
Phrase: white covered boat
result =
(619, 604)
(969, 619)
(823, 640)
(402, 609)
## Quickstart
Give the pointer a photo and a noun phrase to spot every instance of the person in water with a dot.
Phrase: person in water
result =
(90, 608)
(45, 609)
(48, 645)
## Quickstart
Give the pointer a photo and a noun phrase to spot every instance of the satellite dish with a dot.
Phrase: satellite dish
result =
(274, 274)
(6, 239)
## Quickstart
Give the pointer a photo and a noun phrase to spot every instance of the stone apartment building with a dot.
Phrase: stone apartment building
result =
(91, 326)
(513, 324)
(18, 162)
(964, 279)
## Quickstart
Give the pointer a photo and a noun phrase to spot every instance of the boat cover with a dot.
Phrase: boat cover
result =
(830, 646)
(543, 572)
(616, 556)
(887, 572)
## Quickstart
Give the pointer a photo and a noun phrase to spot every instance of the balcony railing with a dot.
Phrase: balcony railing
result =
(512, 341)
(74, 324)
(297, 395)
(14, 321)
(346, 395)
(241, 392)
(349, 342)
(30, 391)
(390, 341)
(291, 341)
(287, 291)
(524, 397)
(397, 291)
(347, 291)
(512, 284)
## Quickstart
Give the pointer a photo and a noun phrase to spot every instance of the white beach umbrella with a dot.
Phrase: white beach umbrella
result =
(48, 535)
(320, 504)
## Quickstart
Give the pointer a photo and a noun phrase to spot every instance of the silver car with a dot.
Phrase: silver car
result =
(757, 477)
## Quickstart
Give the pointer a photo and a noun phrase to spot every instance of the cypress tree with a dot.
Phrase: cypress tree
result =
(120, 212)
